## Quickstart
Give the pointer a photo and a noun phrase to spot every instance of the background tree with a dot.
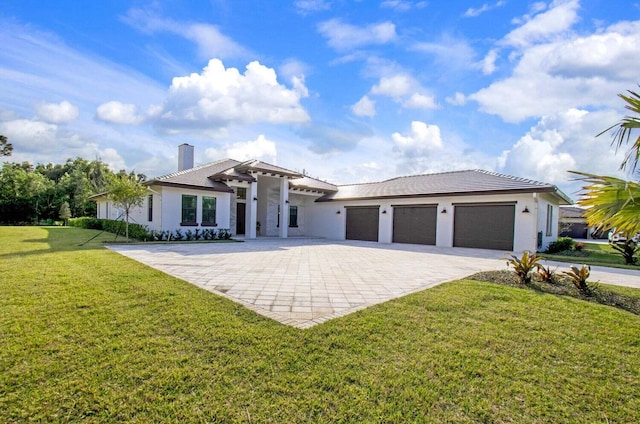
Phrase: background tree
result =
(127, 192)
(22, 193)
(65, 213)
(5, 147)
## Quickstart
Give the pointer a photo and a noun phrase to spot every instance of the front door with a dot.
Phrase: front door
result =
(240, 217)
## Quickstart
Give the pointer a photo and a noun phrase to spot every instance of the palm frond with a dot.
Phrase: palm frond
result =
(622, 131)
(611, 202)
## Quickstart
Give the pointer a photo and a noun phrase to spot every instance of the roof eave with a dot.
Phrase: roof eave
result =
(552, 189)
(192, 187)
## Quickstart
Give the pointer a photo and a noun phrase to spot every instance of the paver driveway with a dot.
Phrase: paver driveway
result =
(303, 282)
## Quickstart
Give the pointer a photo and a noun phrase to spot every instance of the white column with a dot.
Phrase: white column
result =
(284, 207)
(251, 211)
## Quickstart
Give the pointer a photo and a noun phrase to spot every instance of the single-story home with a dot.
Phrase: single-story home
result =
(473, 208)
(573, 223)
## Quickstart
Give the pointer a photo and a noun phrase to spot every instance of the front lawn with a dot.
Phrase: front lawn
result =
(89, 335)
(591, 254)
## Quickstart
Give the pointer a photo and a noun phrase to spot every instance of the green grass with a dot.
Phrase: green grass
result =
(592, 254)
(89, 335)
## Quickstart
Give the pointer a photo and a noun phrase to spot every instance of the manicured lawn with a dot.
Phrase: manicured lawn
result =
(593, 254)
(89, 335)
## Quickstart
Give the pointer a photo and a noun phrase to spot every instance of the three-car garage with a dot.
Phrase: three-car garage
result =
(475, 225)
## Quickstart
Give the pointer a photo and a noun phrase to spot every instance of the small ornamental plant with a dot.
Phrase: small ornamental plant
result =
(524, 265)
(579, 277)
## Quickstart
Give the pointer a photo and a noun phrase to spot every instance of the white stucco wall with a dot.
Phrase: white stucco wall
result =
(542, 201)
(324, 221)
(171, 209)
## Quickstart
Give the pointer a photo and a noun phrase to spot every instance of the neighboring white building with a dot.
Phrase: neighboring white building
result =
(472, 208)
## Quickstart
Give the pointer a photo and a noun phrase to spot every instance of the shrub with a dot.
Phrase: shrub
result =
(524, 265)
(136, 231)
(579, 278)
(560, 245)
(578, 246)
(547, 274)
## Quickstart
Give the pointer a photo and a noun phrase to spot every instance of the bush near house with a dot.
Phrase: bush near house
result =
(142, 233)
(136, 231)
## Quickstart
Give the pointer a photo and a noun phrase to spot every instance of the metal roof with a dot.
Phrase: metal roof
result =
(308, 183)
(198, 177)
(455, 183)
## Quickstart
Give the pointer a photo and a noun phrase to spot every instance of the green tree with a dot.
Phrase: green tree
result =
(127, 192)
(5, 147)
(65, 213)
(22, 192)
(613, 202)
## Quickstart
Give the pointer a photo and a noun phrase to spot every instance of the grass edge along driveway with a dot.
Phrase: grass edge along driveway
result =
(86, 334)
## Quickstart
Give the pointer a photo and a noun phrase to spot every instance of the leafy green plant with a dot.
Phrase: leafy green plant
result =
(560, 245)
(546, 274)
(579, 277)
(524, 265)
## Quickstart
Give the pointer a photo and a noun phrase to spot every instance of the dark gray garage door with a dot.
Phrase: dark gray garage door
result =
(484, 226)
(414, 224)
(362, 223)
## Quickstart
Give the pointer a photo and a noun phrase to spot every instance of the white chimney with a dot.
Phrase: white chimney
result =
(185, 157)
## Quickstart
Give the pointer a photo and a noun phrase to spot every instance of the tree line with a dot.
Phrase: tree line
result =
(33, 193)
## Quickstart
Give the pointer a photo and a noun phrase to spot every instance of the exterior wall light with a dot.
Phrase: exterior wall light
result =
(255, 198)
(444, 210)
(384, 211)
(525, 210)
(338, 213)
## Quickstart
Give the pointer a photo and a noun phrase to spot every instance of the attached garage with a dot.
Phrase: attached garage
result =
(363, 223)
(484, 226)
(415, 224)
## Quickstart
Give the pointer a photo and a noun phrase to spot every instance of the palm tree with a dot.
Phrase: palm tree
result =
(623, 129)
(612, 202)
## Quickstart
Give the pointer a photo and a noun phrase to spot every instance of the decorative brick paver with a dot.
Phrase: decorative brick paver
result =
(303, 282)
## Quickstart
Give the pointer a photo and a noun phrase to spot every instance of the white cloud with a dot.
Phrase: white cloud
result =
(395, 86)
(489, 62)
(474, 12)
(219, 97)
(578, 71)
(342, 36)
(458, 99)
(210, 41)
(364, 107)
(543, 26)
(450, 52)
(260, 148)
(306, 7)
(57, 113)
(422, 139)
(420, 101)
(119, 113)
(402, 5)
(404, 89)
(562, 142)
(41, 142)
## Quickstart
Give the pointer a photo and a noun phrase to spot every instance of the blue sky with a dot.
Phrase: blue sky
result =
(349, 91)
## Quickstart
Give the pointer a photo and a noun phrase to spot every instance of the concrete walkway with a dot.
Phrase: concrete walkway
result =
(303, 282)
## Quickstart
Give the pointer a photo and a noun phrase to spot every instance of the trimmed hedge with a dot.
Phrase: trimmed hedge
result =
(136, 231)
(140, 232)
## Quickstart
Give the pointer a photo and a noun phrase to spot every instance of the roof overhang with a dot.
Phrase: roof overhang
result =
(222, 188)
(564, 199)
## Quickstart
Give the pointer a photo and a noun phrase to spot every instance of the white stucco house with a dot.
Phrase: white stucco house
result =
(471, 208)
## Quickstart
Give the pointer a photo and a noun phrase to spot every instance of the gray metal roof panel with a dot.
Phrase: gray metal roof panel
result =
(446, 183)
(312, 184)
